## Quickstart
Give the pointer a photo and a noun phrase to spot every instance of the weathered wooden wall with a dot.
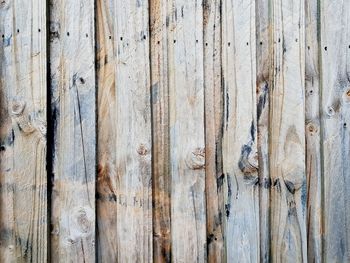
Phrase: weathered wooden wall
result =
(174, 131)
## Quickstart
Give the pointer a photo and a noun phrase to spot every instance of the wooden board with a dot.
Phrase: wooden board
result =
(187, 142)
(124, 128)
(73, 99)
(161, 148)
(240, 160)
(23, 183)
(313, 133)
(214, 178)
(264, 47)
(287, 131)
(335, 108)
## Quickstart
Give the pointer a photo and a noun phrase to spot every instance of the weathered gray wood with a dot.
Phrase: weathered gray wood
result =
(186, 98)
(124, 128)
(264, 83)
(313, 145)
(161, 148)
(287, 133)
(23, 184)
(73, 99)
(335, 109)
(214, 179)
(240, 159)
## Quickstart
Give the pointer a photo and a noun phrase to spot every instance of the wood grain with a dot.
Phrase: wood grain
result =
(73, 99)
(161, 145)
(23, 184)
(187, 139)
(335, 109)
(264, 49)
(240, 158)
(214, 178)
(287, 131)
(124, 128)
(313, 133)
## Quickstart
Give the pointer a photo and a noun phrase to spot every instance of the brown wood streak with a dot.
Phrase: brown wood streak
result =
(23, 184)
(72, 60)
(160, 110)
(214, 184)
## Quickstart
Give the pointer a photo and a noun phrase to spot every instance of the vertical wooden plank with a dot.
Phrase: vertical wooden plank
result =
(287, 131)
(187, 142)
(23, 184)
(240, 159)
(264, 83)
(124, 127)
(214, 179)
(72, 57)
(335, 106)
(161, 147)
(313, 143)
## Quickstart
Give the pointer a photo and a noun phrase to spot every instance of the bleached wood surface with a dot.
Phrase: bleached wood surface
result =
(174, 131)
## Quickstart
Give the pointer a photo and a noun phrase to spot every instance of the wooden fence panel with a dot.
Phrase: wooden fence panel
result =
(23, 184)
(174, 131)
(187, 142)
(264, 84)
(214, 177)
(125, 142)
(335, 108)
(73, 99)
(240, 162)
(287, 131)
(161, 148)
(312, 131)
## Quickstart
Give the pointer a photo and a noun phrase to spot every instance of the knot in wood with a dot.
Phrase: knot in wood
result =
(312, 128)
(196, 159)
(18, 107)
(142, 150)
(83, 221)
(346, 96)
(4, 4)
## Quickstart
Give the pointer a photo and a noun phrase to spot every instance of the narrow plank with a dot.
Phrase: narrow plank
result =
(240, 159)
(72, 88)
(161, 148)
(335, 108)
(187, 139)
(264, 83)
(214, 179)
(23, 184)
(287, 131)
(124, 128)
(313, 143)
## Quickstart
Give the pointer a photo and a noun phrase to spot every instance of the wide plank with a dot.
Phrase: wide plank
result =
(23, 182)
(335, 123)
(287, 133)
(72, 110)
(124, 185)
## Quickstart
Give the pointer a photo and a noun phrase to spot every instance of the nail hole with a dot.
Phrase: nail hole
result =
(82, 81)
(144, 37)
(296, 40)
(197, 41)
(279, 40)
(67, 33)
(261, 43)
(308, 47)
(39, 30)
(247, 43)
(110, 37)
(325, 48)
(229, 44)
(17, 30)
(2, 148)
(121, 38)
(344, 125)
(87, 35)
(174, 41)
(206, 44)
(158, 42)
